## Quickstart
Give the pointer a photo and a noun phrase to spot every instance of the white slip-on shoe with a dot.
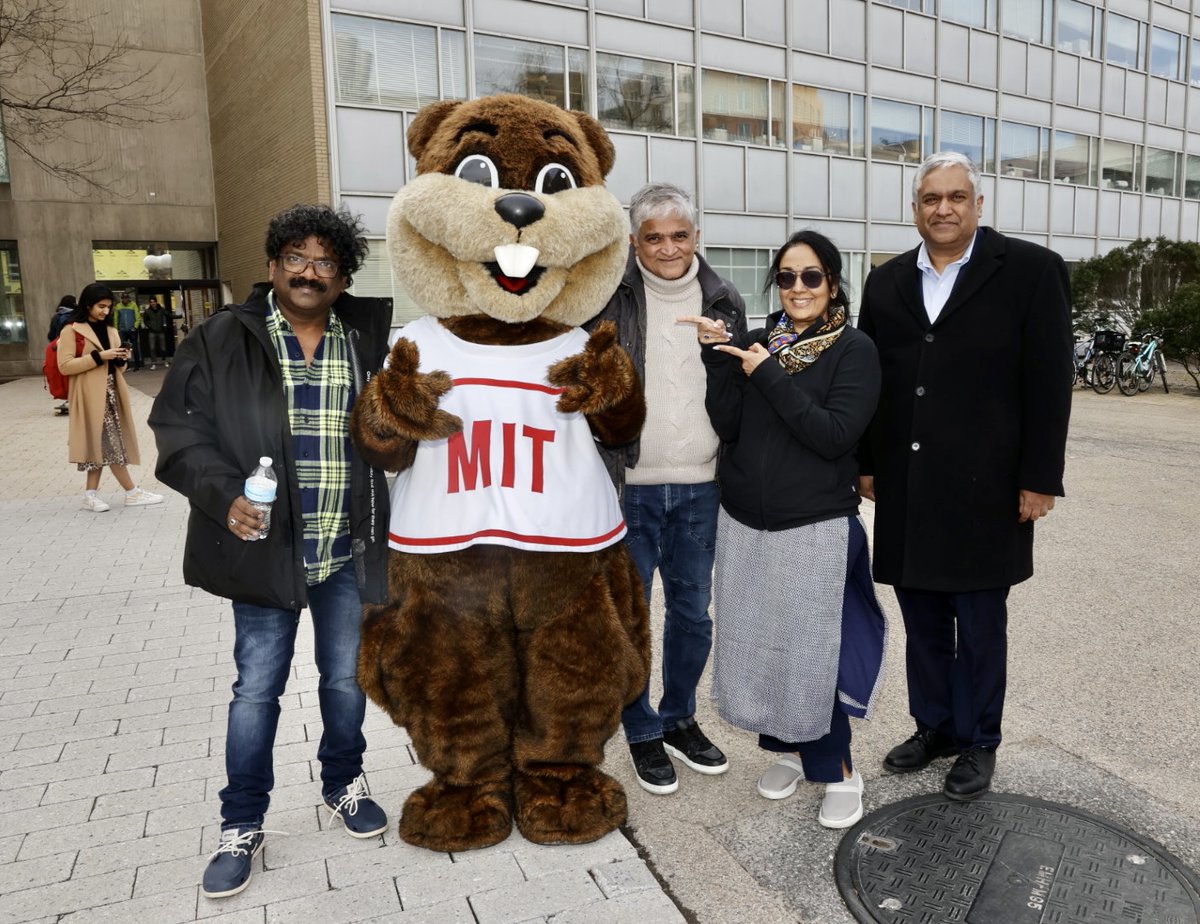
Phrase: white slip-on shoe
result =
(842, 806)
(139, 498)
(779, 781)
(94, 503)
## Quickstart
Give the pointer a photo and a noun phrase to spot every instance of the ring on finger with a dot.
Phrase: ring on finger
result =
(232, 521)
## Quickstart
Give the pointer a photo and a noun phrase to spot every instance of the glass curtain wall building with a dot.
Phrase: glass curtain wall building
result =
(784, 114)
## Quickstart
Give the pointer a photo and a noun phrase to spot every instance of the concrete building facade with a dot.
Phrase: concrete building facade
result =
(155, 197)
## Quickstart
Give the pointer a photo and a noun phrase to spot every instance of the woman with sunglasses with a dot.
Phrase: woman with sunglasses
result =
(799, 633)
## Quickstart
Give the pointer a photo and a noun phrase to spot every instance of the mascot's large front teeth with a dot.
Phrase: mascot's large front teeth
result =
(516, 260)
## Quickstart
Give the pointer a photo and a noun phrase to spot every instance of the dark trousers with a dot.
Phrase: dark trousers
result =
(823, 758)
(957, 660)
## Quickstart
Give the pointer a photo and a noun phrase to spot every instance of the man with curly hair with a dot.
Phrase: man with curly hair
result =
(277, 377)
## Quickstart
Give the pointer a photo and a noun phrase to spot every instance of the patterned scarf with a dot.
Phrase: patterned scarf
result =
(797, 352)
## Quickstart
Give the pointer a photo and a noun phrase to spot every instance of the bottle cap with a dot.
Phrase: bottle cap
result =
(265, 461)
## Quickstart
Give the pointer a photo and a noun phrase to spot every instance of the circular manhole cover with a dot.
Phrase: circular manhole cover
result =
(1006, 859)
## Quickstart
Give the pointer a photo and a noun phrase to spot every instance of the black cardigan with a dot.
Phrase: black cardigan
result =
(789, 454)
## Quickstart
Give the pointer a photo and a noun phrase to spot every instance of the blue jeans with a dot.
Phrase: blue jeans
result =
(262, 650)
(673, 527)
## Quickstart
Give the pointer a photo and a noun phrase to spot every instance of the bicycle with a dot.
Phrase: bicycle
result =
(1136, 368)
(1095, 360)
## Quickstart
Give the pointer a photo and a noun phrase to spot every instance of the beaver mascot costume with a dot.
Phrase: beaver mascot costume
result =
(517, 628)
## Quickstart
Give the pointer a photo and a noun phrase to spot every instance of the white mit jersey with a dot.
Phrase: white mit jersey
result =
(520, 473)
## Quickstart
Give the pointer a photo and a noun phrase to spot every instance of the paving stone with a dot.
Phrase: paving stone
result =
(50, 772)
(33, 874)
(338, 906)
(267, 886)
(464, 877)
(115, 855)
(395, 861)
(455, 911)
(113, 744)
(62, 897)
(47, 840)
(24, 797)
(163, 908)
(624, 878)
(648, 907)
(186, 753)
(550, 894)
(148, 798)
(537, 860)
(101, 784)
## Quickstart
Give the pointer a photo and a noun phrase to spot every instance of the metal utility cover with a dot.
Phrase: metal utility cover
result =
(1006, 859)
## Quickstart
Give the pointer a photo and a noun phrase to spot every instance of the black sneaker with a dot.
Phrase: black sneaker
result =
(689, 744)
(228, 870)
(359, 812)
(653, 768)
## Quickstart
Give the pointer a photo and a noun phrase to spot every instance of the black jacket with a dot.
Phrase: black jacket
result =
(790, 439)
(627, 307)
(974, 408)
(221, 406)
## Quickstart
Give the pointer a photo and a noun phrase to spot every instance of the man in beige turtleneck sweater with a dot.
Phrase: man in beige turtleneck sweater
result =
(667, 479)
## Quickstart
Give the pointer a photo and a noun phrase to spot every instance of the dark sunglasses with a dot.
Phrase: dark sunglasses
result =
(809, 278)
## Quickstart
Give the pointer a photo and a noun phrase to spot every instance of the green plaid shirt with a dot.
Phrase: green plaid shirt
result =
(319, 397)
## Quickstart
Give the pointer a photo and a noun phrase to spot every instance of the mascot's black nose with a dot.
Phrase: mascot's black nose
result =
(519, 210)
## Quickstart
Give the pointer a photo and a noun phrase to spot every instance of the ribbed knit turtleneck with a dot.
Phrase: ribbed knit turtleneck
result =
(678, 445)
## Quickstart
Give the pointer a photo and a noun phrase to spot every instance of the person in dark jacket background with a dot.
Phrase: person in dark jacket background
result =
(800, 634)
(965, 453)
(666, 478)
(277, 377)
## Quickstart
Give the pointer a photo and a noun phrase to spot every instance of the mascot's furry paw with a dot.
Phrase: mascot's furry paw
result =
(439, 816)
(576, 810)
(601, 383)
(398, 408)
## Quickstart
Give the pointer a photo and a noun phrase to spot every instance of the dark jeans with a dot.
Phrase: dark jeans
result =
(957, 660)
(263, 647)
(156, 345)
(673, 528)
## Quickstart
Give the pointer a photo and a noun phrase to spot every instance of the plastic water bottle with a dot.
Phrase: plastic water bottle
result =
(260, 491)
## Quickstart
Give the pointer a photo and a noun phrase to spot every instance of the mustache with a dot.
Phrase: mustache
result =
(299, 282)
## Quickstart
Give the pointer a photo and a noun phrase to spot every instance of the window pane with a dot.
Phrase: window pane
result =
(858, 126)
(685, 99)
(1166, 58)
(1161, 172)
(745, 268)
(1024, 19)
(777, 111)
(454, 65)
(12, 302)
(1075, 158)
(529, 68)
(735, 107)
(971, 12)
(963, 133)
(633, 93)
(382, 63)
(1124, 41)
(1191, 183)
(1196, 62)
(1075, 21)
(820, 120)
(1120, 167)
(895, 131)
(1021, 153)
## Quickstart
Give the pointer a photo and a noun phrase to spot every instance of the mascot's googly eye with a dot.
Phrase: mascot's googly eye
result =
(478, 168)
(554, 178)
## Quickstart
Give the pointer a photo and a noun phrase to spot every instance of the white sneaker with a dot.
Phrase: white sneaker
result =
(93, 503)
(842, 806)
(139, 498)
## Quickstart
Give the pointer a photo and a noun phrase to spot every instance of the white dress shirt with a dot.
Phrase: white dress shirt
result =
(936, 287)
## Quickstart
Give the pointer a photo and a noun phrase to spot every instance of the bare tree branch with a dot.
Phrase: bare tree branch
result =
(55, 74)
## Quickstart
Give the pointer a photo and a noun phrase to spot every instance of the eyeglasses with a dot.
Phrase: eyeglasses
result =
(809, 278)
(295, 263)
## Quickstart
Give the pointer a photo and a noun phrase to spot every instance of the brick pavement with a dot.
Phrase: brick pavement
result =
(114, 681)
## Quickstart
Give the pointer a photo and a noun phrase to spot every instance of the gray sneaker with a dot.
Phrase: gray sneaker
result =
(842, 806)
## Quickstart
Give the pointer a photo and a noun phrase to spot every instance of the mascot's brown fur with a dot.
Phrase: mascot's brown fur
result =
(508, 667)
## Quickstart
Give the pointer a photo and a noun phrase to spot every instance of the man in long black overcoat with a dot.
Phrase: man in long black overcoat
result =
(965, 454)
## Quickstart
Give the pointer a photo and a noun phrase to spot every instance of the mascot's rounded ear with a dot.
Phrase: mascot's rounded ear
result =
(596, 135)
(426, 123)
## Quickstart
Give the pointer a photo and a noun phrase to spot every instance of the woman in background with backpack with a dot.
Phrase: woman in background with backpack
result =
(91, 355)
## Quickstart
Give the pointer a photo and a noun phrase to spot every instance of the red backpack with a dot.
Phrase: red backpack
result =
(55, 380)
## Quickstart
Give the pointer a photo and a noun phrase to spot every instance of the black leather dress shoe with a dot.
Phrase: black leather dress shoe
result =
(919, 751)
(971, 775)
